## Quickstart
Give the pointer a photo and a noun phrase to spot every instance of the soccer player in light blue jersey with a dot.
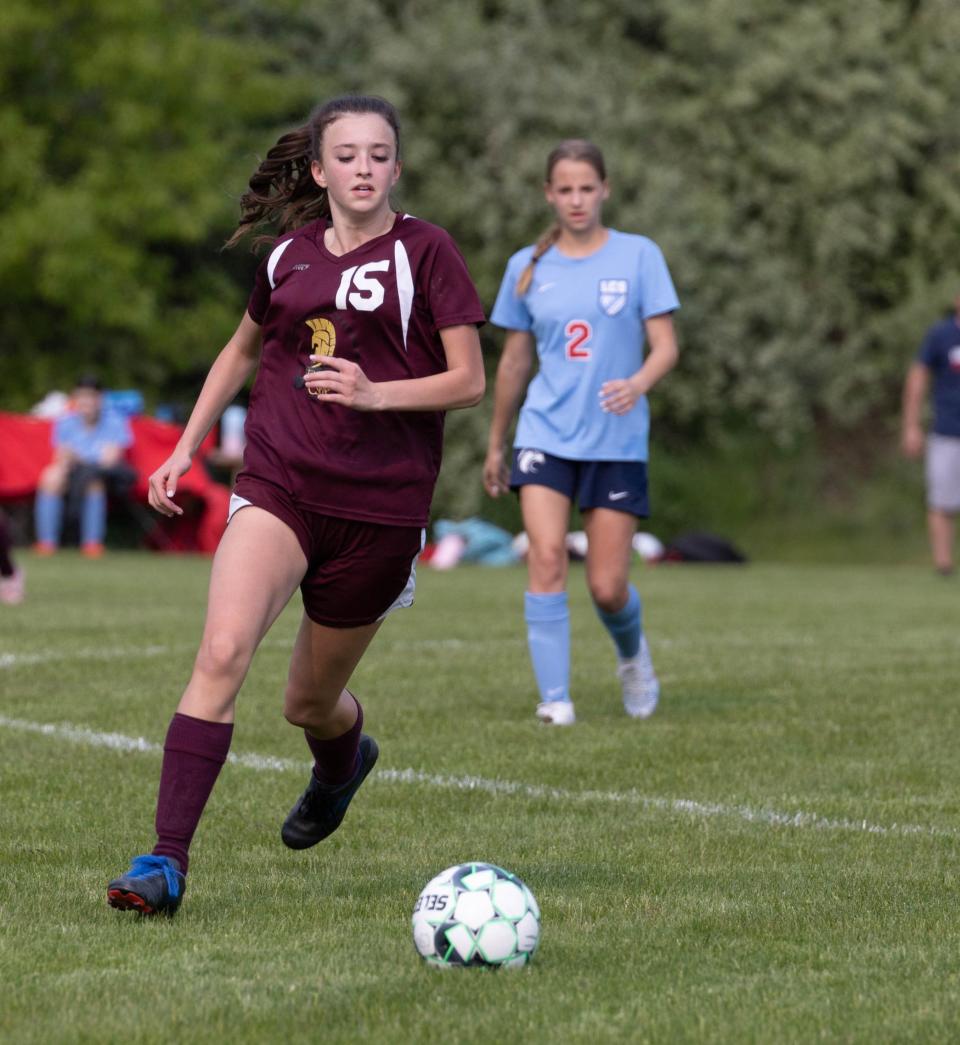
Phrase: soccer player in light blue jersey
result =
(583, 300)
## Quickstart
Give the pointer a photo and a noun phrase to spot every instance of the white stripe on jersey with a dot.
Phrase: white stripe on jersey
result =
(274, 258)
(404, 286)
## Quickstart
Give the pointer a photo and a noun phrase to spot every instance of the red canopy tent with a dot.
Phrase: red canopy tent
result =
(25, 450)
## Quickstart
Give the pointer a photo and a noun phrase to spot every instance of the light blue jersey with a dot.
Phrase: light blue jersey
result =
(88, 443)
(586, 315)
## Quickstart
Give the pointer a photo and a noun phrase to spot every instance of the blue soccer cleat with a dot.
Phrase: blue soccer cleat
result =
(321, 808)
(153, 885)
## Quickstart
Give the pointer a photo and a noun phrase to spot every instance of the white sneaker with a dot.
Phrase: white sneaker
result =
(639, 683)
(556, 712)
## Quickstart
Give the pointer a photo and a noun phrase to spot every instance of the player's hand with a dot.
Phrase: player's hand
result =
(496, 475)
(619, 397)
(163, 484)
(342, 381)
(912, 441)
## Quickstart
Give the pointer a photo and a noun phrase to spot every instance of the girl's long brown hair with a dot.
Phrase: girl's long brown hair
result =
(570, 149)
(282, 191)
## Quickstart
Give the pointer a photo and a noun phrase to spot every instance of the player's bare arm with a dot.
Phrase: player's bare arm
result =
(620, 397)
(460, 385)
(513, 376)
(230, 371)
(914, 395)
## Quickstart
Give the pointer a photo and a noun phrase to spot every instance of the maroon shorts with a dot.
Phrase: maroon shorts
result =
(357, 572)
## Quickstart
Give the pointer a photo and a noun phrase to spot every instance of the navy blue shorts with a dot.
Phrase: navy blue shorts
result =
(620, 485)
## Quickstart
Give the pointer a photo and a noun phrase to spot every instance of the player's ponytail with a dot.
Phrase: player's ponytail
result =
(282, 191)
(571, 149)
(543, 244)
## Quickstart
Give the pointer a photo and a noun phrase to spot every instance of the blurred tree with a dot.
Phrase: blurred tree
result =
(127, 138)
(798, 163)
(807, 166)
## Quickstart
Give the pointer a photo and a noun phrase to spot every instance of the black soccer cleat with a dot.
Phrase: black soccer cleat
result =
(321, 808)
(153, 885)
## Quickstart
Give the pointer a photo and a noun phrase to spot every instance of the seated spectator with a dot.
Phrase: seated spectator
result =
(89, 444)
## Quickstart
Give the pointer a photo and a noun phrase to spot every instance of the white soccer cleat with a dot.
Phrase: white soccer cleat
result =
(639, 683)
(556, 712)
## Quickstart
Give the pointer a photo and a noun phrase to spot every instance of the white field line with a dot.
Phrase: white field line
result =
(685, 806)
(20, 660)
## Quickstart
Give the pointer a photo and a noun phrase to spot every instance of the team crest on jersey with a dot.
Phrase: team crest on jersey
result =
(529, 461)
(322, 343)
(613, 295)
(324, 340)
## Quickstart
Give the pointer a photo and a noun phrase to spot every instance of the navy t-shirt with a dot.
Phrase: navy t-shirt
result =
(383, 306)
(940, 353)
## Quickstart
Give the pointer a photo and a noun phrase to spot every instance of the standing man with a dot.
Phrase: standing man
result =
(937, 363)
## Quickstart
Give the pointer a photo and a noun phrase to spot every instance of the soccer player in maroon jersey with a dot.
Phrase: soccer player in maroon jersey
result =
(362, 329)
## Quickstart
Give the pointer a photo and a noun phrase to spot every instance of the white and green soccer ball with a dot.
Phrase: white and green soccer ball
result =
(476, 914)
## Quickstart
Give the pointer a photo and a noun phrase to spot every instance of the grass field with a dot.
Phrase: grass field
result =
(772, 858)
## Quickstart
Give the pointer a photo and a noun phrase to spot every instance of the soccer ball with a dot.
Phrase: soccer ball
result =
(476, 914)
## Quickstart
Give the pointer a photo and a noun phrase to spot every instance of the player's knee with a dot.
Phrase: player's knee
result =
(301, 713)
(294, 705)
(548, 562)
(293, 713)
(306, 708)
(222, 655)
(608, 593)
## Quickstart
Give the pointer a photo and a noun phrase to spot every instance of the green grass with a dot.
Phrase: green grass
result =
(829, 691)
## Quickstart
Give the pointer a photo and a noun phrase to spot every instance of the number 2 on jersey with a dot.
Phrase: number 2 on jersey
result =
(578, 333)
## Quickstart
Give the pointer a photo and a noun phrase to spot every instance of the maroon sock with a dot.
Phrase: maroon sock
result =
(193, 755)
(335, 761)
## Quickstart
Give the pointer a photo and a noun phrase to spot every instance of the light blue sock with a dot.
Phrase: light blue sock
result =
(548, 637)
(48, 517)
(626, 625)
(93, 521)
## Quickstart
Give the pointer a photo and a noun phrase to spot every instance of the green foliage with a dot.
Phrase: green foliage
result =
(797, 162)
(824, 500)
(127, 132)
(818, 198)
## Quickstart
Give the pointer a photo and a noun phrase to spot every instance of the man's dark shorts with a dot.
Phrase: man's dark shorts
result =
(357, 572)
(620, 485)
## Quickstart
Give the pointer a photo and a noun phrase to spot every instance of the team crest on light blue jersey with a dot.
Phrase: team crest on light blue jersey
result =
(613, 295)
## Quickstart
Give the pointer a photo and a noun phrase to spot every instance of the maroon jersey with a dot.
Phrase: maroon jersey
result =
(382, 306)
